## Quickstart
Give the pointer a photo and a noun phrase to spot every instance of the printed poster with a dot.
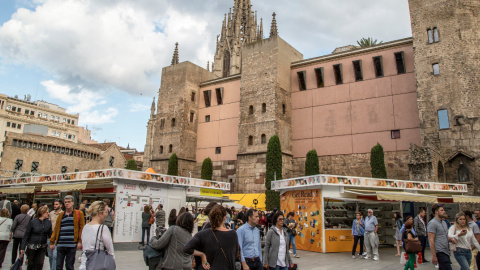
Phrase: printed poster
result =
(307, 205)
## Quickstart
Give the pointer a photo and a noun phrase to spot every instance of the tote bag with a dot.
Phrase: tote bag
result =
(98, 259)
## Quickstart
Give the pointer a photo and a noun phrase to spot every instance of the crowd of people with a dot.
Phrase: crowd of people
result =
(462, 237)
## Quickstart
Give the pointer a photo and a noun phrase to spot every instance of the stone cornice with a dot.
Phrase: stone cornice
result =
(37, 121)
(221, 80)
(35, 107)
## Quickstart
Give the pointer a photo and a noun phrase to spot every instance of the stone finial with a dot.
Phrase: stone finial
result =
(260, 30)
(175, 55)
(208, 65)
(274, 29)
(152, 109)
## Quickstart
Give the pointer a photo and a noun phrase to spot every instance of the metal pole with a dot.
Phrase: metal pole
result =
(274, 176)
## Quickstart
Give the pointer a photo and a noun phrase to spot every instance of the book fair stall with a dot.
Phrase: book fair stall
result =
(325, 206)
(129, 191)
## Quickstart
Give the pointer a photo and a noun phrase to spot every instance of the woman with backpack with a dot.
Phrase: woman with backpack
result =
(18, 229)
(173, 240)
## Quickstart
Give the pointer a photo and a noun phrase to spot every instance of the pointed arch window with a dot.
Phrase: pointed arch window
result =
(226, 63)
(463, 174)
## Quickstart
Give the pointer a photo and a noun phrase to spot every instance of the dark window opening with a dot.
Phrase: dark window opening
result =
(8, 124)
(14, 142)
(110, 162)
(395, 134)
(250, 140)
(319, 76)
(170, 148)
(357, 68)
(264, 107)
(207, 118)
(192, 116)
(264, 139)
(193, 96)
(64, 169)
(435, 35)
(302, 84)
(14, 125)
(173, 122)
(463, 174)
(377, 63)
(162, 123)
(436, 69)
(226, 63)
(19, 126)
(284, 108)
(161, 149)
(27, 111)
(400, 61)
(34, 167)
(219, 94)
(250, 110)
(337, 70)
(18, 165)
(218, 150)
(443, 122)
(207, 96)
(430, 35)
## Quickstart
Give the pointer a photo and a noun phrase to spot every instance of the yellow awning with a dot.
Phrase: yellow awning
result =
(405, 196)
(248, 200)
(235, 197)
(20, 190)
(64, 187)
(466, 199)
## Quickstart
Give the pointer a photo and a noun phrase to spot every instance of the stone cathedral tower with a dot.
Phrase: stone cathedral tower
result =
(238, 28)
(447, 68)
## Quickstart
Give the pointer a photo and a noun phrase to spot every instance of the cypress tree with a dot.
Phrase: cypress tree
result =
(377, 162)
(131, 165)
(173, 165)
(312, 165)
(273, 168)
(207, 169)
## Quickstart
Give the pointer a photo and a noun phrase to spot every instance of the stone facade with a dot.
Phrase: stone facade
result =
(447, 33)
(52, 154)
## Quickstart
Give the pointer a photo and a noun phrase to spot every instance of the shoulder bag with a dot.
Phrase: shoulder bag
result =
(413, 245)
(152, 219)
(224, 254)
(98, 259)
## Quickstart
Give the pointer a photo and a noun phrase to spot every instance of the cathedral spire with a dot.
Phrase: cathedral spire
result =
(208, 65)
(152, 109)
(260, 30)
(273, 29)
(175, 55)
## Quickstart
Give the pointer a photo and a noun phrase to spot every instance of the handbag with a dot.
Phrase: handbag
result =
(151, 220)
(413, 246)
(98, 259)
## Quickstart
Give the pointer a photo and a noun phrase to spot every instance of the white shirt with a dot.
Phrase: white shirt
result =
(464, 241)
(282, 251)
(31, 212)
(89, 237)
(5, 228)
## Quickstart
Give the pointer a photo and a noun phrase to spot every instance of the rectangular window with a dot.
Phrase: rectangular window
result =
(64, 120)
(39, 114)
(49, 149)
(15, 142)
(57, 118)
(207, 96)
(58, 134)
(44, 148)
(192, 116)
(14, 125)
(14, 109)
(73, 122)
(29, 145)
(112, 159)
(319, 76)
(53, 133)
(73, 137)
(68, 121)
(400, 61)
(395, 134)
(218, 150)
(34, 145)
(436, 69)
(219, 93)
(430, 35)
(207, 118)
(8, 107)
(54, 149)
(19, 126)
(64, 135)
(52, 117)
(435, 35)
(18, 165)
(443, 122)
(19, 109)
(337, 70)
(193, 96)
(27, 111)
(8, 124)
(357, 68)
(32, 112)
(45, 115)
(302, 83)
(34, 166)
(377, 64)
(69, 136)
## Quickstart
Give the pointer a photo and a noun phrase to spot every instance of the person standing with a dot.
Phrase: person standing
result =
(409, 235)
(109, 219)
(371, 239)
(5, 233)
(276, 255)
(477, 217)
(421, 231)
(20, 224)
(5, 204)
(476, 233)
(53, 216)
(292, 232)
(34, 242)
(98, 212)
(438, 239)
(398, 234)
(358, 230)
(172, 217)
(241, 215)
(465, 238)
(250, 243)
(145, 224)
(32, 210)
(262, 221)
(15, 209)
(67, 236)
(201, 218)
(160, 216)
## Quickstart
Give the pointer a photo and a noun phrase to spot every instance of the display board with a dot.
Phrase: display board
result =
(307, 205)
(131, 197)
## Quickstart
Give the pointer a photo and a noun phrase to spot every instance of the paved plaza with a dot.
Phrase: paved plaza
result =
(128, 257)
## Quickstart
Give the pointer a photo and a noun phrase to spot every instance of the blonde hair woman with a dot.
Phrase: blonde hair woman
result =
(465, 240)
(97, 212)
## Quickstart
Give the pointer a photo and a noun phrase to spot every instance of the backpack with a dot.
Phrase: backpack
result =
(153, 257)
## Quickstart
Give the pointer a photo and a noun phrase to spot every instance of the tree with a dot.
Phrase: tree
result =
(131, 165)
(367, 42)
(273, 170)
(312, 165)
(173, 165)
(207, 169)
(377, 162)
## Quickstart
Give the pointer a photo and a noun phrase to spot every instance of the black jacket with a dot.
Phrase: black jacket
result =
(37, 232)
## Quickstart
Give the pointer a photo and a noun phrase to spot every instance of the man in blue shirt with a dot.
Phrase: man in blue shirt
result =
(249, 241)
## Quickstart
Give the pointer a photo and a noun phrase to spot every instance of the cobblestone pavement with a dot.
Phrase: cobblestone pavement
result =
(128, 257)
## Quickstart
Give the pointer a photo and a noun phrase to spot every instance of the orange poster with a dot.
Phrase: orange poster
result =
(307, 206)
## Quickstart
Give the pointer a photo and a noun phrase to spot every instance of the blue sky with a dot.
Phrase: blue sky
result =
(103, 59)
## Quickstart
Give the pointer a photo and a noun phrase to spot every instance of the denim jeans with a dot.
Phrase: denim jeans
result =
(357, 238)
(278, 268)
(463, 257)
(66, 255)
(52, 258)
(145, 229)
(291, 236)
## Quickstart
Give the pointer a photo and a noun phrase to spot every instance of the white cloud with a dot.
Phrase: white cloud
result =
(138, 107)
(84, 102)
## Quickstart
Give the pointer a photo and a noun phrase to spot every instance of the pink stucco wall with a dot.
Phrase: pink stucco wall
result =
(222, 130)
(352, 117)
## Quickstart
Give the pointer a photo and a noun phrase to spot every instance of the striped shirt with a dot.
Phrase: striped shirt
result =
(66, 235)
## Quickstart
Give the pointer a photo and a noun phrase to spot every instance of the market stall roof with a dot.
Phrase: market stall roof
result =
(393, 195)
(15, 190)
(65, 187)
(199, 198)
(249, 199)
(466, 199)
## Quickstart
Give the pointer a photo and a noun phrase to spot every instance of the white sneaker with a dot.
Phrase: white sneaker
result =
(375, 258)
(290, 251)
(364, 254)
(353, 257)
(367, 257)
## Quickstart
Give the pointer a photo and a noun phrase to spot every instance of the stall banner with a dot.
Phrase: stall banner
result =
(211, 192)
(362, 182)
(339, 240)
(307, 205)
(119, 173)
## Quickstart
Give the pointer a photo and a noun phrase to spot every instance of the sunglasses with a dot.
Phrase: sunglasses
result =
(281, 219)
